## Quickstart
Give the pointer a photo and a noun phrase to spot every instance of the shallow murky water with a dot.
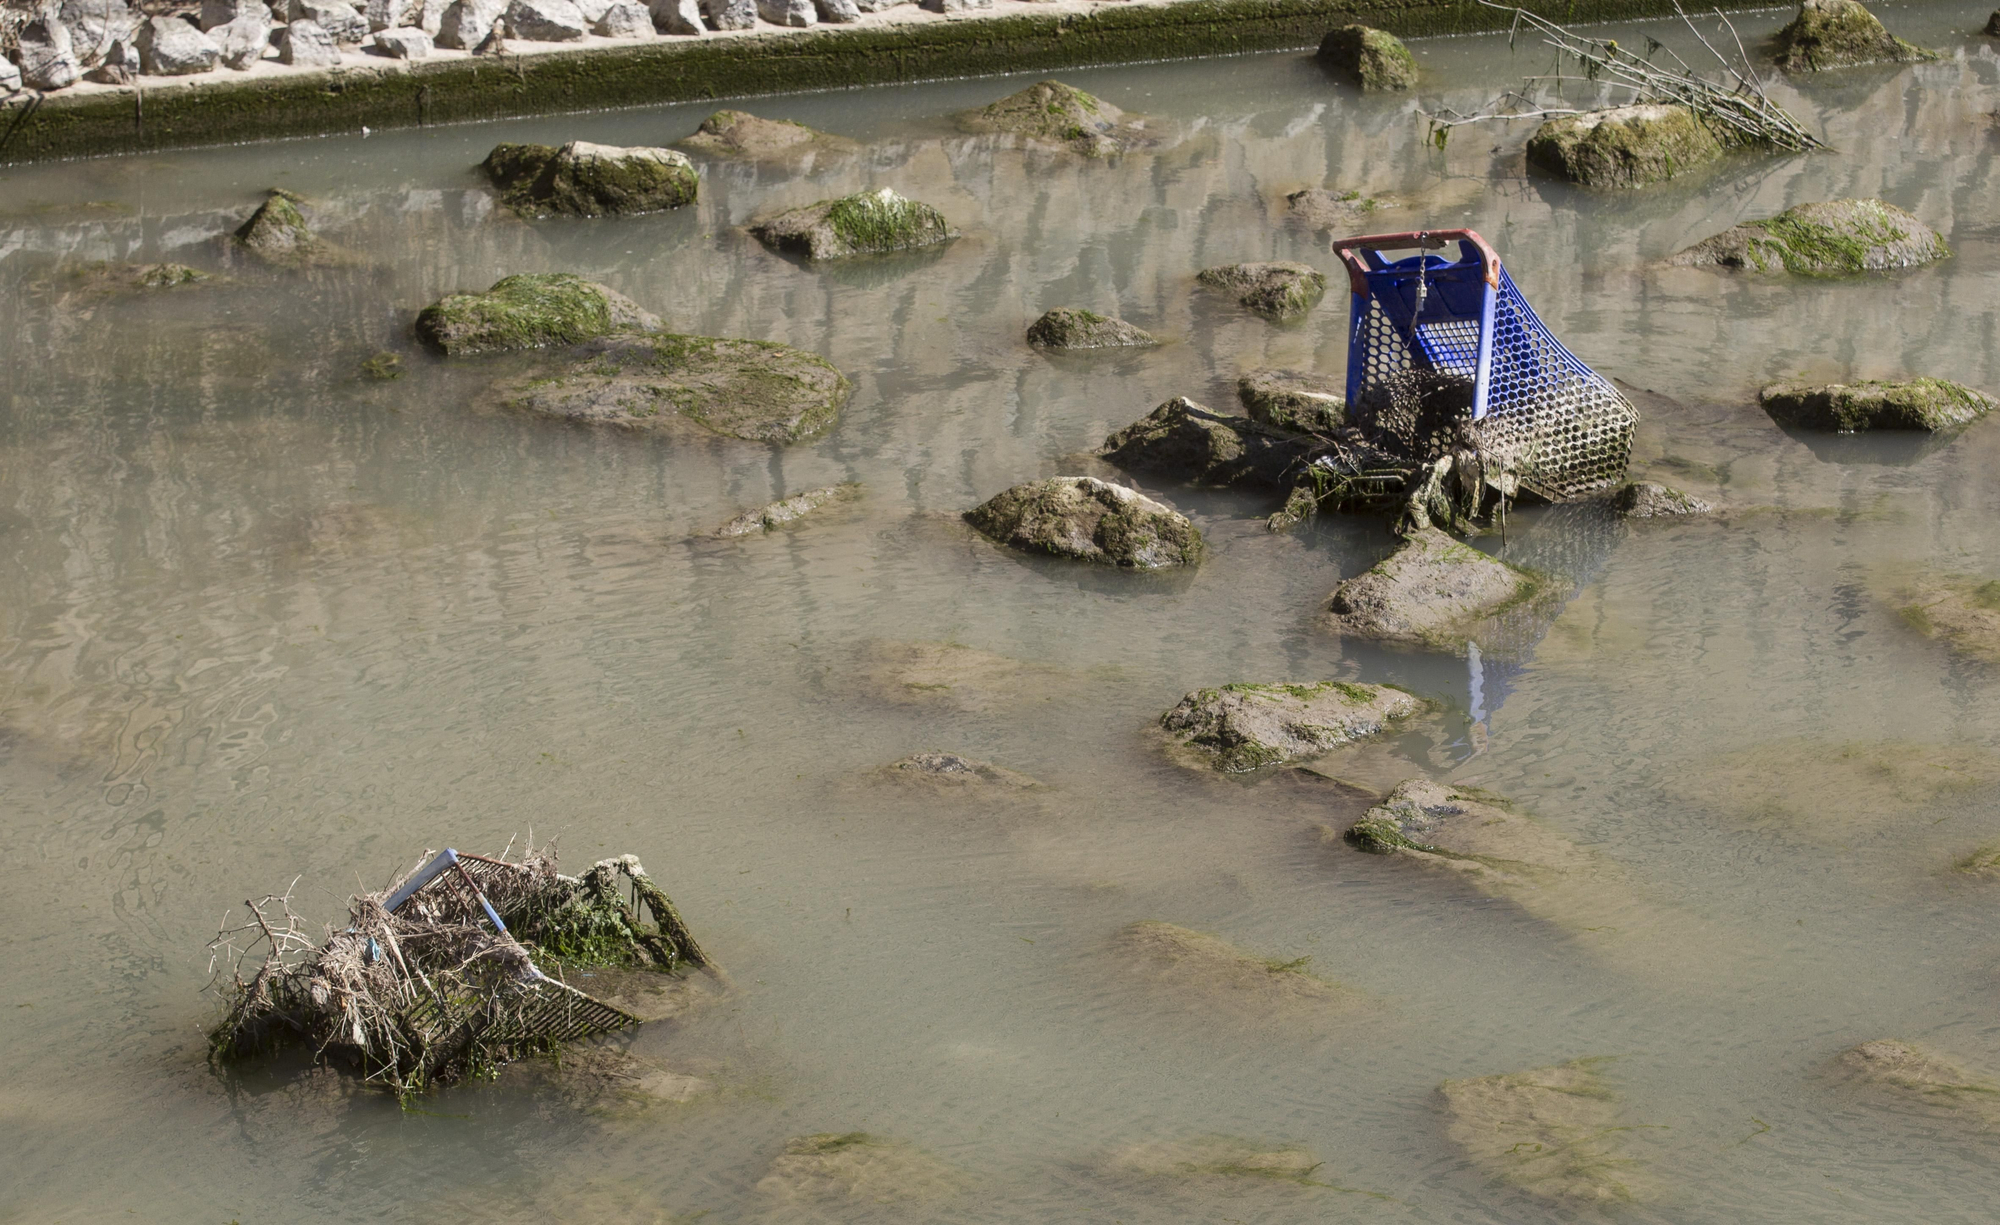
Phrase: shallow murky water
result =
(260, 617)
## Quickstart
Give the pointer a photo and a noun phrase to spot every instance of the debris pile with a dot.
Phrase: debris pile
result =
(437, 978)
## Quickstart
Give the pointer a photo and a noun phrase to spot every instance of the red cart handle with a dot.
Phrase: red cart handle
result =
(1357, 268)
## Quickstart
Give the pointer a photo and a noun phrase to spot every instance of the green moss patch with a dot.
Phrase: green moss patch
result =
(1933, 405)
(525, 312)
(867, 223)
(1279, 290)
(1369, 59)
(1837, 34)
(1626, 147)
(1833, 238)
(1243, 727)
(1050, 112)
(1085, 519)
(586, 180)
(1069, 327)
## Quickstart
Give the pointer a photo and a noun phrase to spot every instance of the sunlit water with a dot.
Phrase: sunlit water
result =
(261, 618)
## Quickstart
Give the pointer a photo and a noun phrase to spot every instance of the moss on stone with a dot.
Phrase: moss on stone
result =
(1369, 59)
(1651, 500)
(1554, 1132)
(1929, 404)
(1278, 289)
(587, 180)
(1628, 146)
(1186, 441)
(866, 223)
(1070, 327)
(1832, 238)
(1296, 400)
(383, 367)
(277, 232)
(1050, 112)
(1086, 519)
(1241, 727)
(168, 276)
(741, 134)
(1836, 34)
(525, 312)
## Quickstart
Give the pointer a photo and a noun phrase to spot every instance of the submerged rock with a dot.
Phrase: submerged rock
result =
(1087, 519)
(1555, 1132)
(585, 180)
(1243, 727)
(1959, 611)
(1466, 832)
(528, 311)
(1072, 327)
(751, 389)
(947, 675)
(1296, 400)
(1368, 58)
(1627, 146)
(1198, 964)
(867, 223)
(1317, 206)
(1837, 33)
(168, 276)
(1847, 408)
(1431, 592)
(949, 770)
(1836, 789)
(1050, 112)
(277, 232)
(858, 1168)
(787, 510)
(741, 134)
(1217, 1158)
(1278, 289)
(1650, 500)
(1826, 239)
(170, 47)
(1182, 439)
(1906, 1075)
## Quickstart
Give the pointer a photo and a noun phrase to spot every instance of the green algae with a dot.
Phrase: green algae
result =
(1371, 60)
(525, 311)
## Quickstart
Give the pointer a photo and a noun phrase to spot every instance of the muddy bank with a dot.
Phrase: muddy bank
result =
(902, 44)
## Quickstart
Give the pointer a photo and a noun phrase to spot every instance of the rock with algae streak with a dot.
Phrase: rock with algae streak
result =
(1370, 59)
(1432, 592)
(1934, 405)
(951, 771)
(1907, 1076)
(1961, 611)
(752, 389)
(1831, 238)
(1050, 112)
(857, 1167)
(1296, 400)
(1554, 1132)
(1626, 146)
(743, 135)
(1187, 441)
(582, 179)
(785, 511)
(529, 311)
(1086, 519)
(1836, 34)
(866, 223)
(1652, 500)
(1072, 327)
(1205, 968)
(1243, 727)
(1276, 289)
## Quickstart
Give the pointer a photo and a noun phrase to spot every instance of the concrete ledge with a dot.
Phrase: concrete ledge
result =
(225, 108)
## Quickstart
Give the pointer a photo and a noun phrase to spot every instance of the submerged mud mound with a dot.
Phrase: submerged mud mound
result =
(1083, 518)
(1834, 789)
(751, 389)
(1627, 146)
(1837, 34)
(1933, 405)
(1071, 327)
(1187, 441)
(1555, 1132)
(581, 179)
(948, 676)
(1238, 728)
(1278, 290)
(1216, 1159)
(951, 772)
(832, 1168)
(1432, 592)
(1833, 238)
(1961, 611)
(529, 311)
(1052, 113)
(867, 223)
(1904, 1076)
(740, 134)
(1209, 972)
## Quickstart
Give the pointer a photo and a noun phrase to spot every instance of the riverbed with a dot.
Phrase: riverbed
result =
(265, 618)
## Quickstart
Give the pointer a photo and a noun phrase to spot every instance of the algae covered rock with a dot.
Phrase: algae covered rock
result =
(528, 311)
(1326, 209)
(1651, 500)
(581, 179)
(1466, 832)
(277, 233)
(1960, 611)
(1555, 1132)
(1277, 289)
(1847, 408)
(1627, 146)
(1087, 519)
(1071, 327)
(1836, 34)
(1431, 592)
(751, 389)
(168, 276)
(741, 134)
(1199, 965)
(786, 510)
(1296, 400)
(1242, 727)
(950, 771)
(1182, 439)
(1823, 239)
(1368, 58)
(859, 1168)
(1050, 112)
(1907, 1076)
(867, 223)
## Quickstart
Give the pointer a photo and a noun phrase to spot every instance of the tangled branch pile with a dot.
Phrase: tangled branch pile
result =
(1735, 108)
(435, 978)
